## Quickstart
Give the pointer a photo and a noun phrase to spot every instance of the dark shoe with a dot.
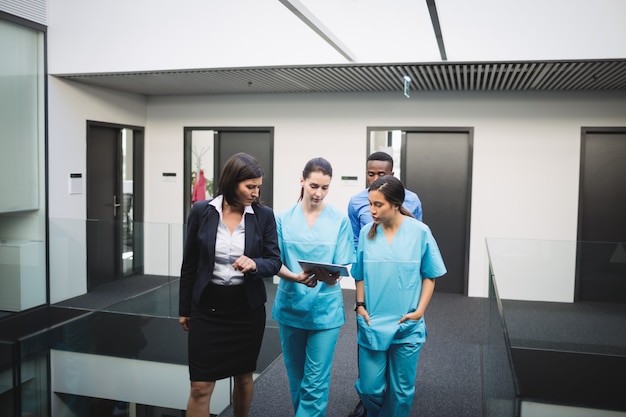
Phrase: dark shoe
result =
(359, 411)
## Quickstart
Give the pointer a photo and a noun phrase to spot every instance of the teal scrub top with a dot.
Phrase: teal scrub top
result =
(330, 240)
(392, 275)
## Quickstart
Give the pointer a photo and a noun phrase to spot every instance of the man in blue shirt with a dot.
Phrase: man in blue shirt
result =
(379, 164)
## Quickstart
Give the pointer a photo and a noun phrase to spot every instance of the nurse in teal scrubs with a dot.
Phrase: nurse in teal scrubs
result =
(397, 263)
(309, 304)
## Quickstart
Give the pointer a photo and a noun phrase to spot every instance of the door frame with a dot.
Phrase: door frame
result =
(138, 194)
(469, 131)
(217, 164)
(580, 243)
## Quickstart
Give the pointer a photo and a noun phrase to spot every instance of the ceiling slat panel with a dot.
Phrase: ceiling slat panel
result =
(334, 84)
(576, 77)
(567, 81)
(369, 79)
(609, 77)
(418, 80)
(507, 73)
(500, 70)
(523, 84)
(452, 73)
(440, 74)
(566, 72)
(490, 76)
(601, 75)
(433, 79)
(464, 79)
(558, 70)
(391, 76)
(520, 71)
(586, 78)
(541, 74)
(426, 78)
(513, 74)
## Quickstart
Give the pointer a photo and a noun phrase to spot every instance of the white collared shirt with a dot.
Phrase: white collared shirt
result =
(228, 247)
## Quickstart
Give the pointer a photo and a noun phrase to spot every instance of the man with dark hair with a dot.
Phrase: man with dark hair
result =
(379, 164)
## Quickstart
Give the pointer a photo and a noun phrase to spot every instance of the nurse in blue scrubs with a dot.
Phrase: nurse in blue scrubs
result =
(397, 263)
(309, 304)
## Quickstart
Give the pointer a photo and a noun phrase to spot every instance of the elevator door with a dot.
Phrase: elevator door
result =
(437, 166)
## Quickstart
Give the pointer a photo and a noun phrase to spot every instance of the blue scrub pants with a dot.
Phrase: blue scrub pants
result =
(386, 382)
(308, 356)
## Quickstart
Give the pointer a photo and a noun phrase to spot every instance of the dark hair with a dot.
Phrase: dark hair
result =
(381, 156)
(393, 190)
(318, 164)
(239, 167)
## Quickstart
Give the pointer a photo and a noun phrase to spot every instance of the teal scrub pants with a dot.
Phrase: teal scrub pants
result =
(308, 356)
(386, 382)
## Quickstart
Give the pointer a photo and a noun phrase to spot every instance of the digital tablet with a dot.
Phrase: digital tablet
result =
(309, 265)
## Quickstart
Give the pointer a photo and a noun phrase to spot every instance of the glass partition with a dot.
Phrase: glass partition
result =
(537, 288)
(561, 350)
(116, 347)
(7, 377)
(86, 274)
(500, 392)
(22, 168)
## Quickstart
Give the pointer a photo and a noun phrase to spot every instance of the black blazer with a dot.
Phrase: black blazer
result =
(261, 244)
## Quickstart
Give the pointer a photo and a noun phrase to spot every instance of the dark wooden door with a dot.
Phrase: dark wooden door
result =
(601, 261)
(104, 198)
(437, 166)
(259, 144)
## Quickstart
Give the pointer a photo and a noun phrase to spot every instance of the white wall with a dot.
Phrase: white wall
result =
(526, 145)
(69, 107)
(526, 150)
(525, 166)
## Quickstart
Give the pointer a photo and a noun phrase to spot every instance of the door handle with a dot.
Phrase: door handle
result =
(115, 206)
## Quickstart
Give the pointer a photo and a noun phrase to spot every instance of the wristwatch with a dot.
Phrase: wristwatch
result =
(359, 304)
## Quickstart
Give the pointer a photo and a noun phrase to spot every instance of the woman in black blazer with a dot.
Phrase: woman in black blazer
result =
(231, 246)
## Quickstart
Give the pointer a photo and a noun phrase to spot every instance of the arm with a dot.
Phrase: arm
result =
(428, 287)
(418, 211)
(360, 297)
(188, 271)
(304, 277)
(353, 216)
(413, 203)
(344, 250)
(268, 263)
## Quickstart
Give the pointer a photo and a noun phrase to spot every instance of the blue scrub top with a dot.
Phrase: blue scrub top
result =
(359, 209)
(392, 275)
(329, 240)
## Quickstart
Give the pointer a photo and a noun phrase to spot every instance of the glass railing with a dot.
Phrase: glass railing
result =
(110, 338)
(500, 391)
(7, 377)
(116, 266)
(559, 309)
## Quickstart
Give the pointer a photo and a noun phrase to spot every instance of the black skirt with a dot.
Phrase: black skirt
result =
(224, 334)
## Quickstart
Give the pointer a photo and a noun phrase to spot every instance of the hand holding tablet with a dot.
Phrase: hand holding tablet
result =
(331, 268)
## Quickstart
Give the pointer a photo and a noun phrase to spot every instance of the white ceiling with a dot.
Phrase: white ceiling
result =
(386, 31)
(533, 44)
